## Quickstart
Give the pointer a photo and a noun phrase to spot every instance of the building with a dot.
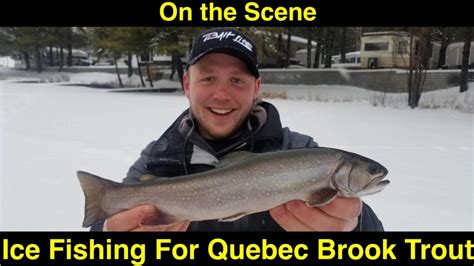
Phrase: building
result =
(454, 55)
(392, 50)
(268, 57)
(352, 60)
(301, 56)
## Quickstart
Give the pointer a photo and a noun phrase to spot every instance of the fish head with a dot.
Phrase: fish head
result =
(357, 176)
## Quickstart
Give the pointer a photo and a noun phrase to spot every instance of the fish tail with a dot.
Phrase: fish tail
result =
(93, 187)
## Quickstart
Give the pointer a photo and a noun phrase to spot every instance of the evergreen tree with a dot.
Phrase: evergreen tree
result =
(173, 41)
(110, 40)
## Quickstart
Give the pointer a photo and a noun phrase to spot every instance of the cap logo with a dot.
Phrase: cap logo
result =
(225, 35)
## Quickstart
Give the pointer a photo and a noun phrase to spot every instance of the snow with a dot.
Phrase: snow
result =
(7, 61)
(446, 98)
(49, 131)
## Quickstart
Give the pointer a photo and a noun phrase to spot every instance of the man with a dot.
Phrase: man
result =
(222, 84)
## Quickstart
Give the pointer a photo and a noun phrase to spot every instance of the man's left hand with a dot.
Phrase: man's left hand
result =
(338, 215)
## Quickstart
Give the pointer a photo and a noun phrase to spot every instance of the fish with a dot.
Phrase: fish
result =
(242, 183)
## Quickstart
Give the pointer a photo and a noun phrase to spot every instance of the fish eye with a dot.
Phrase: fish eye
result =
(373, 169)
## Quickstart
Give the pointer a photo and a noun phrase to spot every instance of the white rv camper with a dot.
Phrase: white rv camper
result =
(391, 50)
(454, 55)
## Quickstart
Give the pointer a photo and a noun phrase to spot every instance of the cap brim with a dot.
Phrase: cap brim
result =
(233, 52)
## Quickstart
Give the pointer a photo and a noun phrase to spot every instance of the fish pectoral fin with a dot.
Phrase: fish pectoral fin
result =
(321, 197)
(161, 218)
(232, 218)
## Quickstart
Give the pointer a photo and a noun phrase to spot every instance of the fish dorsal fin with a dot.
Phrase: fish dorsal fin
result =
(233, 157)
(321, 197)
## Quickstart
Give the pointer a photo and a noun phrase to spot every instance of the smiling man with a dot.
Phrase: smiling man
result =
(222, 84)
(221, 92)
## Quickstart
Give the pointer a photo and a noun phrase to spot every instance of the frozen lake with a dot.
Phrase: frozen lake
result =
(49, 131)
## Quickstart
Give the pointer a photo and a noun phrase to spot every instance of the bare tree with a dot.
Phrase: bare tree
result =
(280, 49)
(319, 46)
(61, 58)
(149, 75)
(288, 48)
(342, 44)
(465, 59)
(26, 56)
(140, 71)
(309, 46)
(69, 38)
(38, 57)
(328, 46)
(50, 55)
(445, 35)
(129, 63)
(419, 54)
(118, 73)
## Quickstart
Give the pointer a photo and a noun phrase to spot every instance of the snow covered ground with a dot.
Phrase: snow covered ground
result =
(49, 131)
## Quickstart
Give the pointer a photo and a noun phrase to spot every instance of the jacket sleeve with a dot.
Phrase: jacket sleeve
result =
(133, 175)
(368, 220)
(295, 140)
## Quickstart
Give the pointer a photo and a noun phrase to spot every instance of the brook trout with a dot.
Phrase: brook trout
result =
(242, 183)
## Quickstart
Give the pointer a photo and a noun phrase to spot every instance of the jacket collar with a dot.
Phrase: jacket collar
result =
(254, 123)
(181, 141)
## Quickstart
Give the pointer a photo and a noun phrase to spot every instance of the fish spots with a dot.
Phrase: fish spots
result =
(244, 187)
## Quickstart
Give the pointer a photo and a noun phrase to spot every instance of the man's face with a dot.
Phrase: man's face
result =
(221, 91)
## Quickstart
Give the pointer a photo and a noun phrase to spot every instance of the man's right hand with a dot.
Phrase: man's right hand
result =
(141, 218)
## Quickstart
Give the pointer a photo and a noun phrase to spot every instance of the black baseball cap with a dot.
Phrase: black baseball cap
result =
(228, 41)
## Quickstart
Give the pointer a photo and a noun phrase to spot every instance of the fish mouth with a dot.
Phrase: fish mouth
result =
(378, 181)
(375, 185)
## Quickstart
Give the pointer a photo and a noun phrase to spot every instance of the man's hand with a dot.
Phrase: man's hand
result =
(338, 215)
(139, 219)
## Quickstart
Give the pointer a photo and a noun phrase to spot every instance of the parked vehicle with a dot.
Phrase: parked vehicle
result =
(454, 55)
(103, 62)
(84, 62)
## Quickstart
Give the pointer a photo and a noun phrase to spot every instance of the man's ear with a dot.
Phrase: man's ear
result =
(186, 84)
(258, 81)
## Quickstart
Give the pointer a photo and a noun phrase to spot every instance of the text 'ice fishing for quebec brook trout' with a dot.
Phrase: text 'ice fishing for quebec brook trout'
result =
(242, 183)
